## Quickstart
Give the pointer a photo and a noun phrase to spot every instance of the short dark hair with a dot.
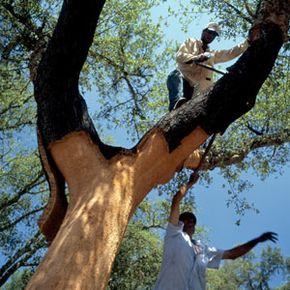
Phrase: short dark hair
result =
(187, 216)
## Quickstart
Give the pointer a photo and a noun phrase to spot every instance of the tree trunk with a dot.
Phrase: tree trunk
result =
(103, 196)
(105, 183)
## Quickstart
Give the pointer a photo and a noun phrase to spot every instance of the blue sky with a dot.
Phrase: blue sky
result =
(272, 199)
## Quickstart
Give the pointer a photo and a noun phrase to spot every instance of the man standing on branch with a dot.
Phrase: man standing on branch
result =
(185, 260)
(190, 75)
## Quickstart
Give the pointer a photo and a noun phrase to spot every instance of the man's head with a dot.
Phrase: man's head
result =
(189, 221)
(210, 32)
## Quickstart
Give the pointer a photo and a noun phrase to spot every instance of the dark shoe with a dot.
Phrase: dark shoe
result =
(179, 103)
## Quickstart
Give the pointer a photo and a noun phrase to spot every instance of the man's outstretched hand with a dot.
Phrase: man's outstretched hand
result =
(268, 236)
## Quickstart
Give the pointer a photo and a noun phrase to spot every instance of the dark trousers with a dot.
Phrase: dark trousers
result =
(178, 87)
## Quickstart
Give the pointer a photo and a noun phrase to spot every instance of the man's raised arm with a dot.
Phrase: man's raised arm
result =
(175, 205)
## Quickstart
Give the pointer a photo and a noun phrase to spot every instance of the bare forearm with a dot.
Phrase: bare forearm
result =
(241, 250)
(174, 212)
(245, 248)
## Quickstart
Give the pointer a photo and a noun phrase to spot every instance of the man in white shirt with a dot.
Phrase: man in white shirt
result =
(185, 260)
(189, 76)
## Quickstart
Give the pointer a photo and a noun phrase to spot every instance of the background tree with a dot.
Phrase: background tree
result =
(249, 272)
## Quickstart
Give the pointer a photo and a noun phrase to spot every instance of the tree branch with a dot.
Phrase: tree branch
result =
(21, 257)
(9, 225)
(35, 182)
(61, 107)
(253, 129)
(250, 12)
(26, 21)
(240, 13)
(217, 160)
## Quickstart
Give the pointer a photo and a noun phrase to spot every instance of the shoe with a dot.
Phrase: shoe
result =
(179, 103)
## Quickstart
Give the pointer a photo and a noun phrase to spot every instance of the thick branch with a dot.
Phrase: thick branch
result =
(232, 96)
(217, 160)
(61, 109)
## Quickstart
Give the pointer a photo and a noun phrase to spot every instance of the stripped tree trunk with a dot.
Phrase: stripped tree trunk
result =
(107, 183)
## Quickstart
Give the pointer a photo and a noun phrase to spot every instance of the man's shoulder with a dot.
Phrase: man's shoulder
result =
(179, 226)
(172, 229)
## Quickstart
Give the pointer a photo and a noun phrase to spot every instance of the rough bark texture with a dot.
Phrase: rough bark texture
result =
(105, 183)
(61, 108)
(103, 195)
(232, 96)
(53, 215)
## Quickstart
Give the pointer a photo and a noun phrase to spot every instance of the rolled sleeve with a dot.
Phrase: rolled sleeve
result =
(173, 230)
(214, 257)
(229, 54)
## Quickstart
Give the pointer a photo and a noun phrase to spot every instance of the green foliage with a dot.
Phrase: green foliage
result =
(129, 77)
(21, 177)
(138, 260)
(250, 272)
(19, 280)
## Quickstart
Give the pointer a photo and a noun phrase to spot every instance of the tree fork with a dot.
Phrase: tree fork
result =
(106, 183)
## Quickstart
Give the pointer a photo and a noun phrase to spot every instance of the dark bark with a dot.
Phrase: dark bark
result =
(61, 108)
(232, 96)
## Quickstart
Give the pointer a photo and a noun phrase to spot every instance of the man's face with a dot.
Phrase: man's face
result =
(189, 226)
(208, 36)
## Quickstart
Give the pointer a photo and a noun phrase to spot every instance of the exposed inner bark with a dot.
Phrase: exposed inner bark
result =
(103, 196)
(53, 215)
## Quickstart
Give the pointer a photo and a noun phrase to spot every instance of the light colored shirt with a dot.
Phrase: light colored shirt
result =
(185, 261)
(197, 76)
